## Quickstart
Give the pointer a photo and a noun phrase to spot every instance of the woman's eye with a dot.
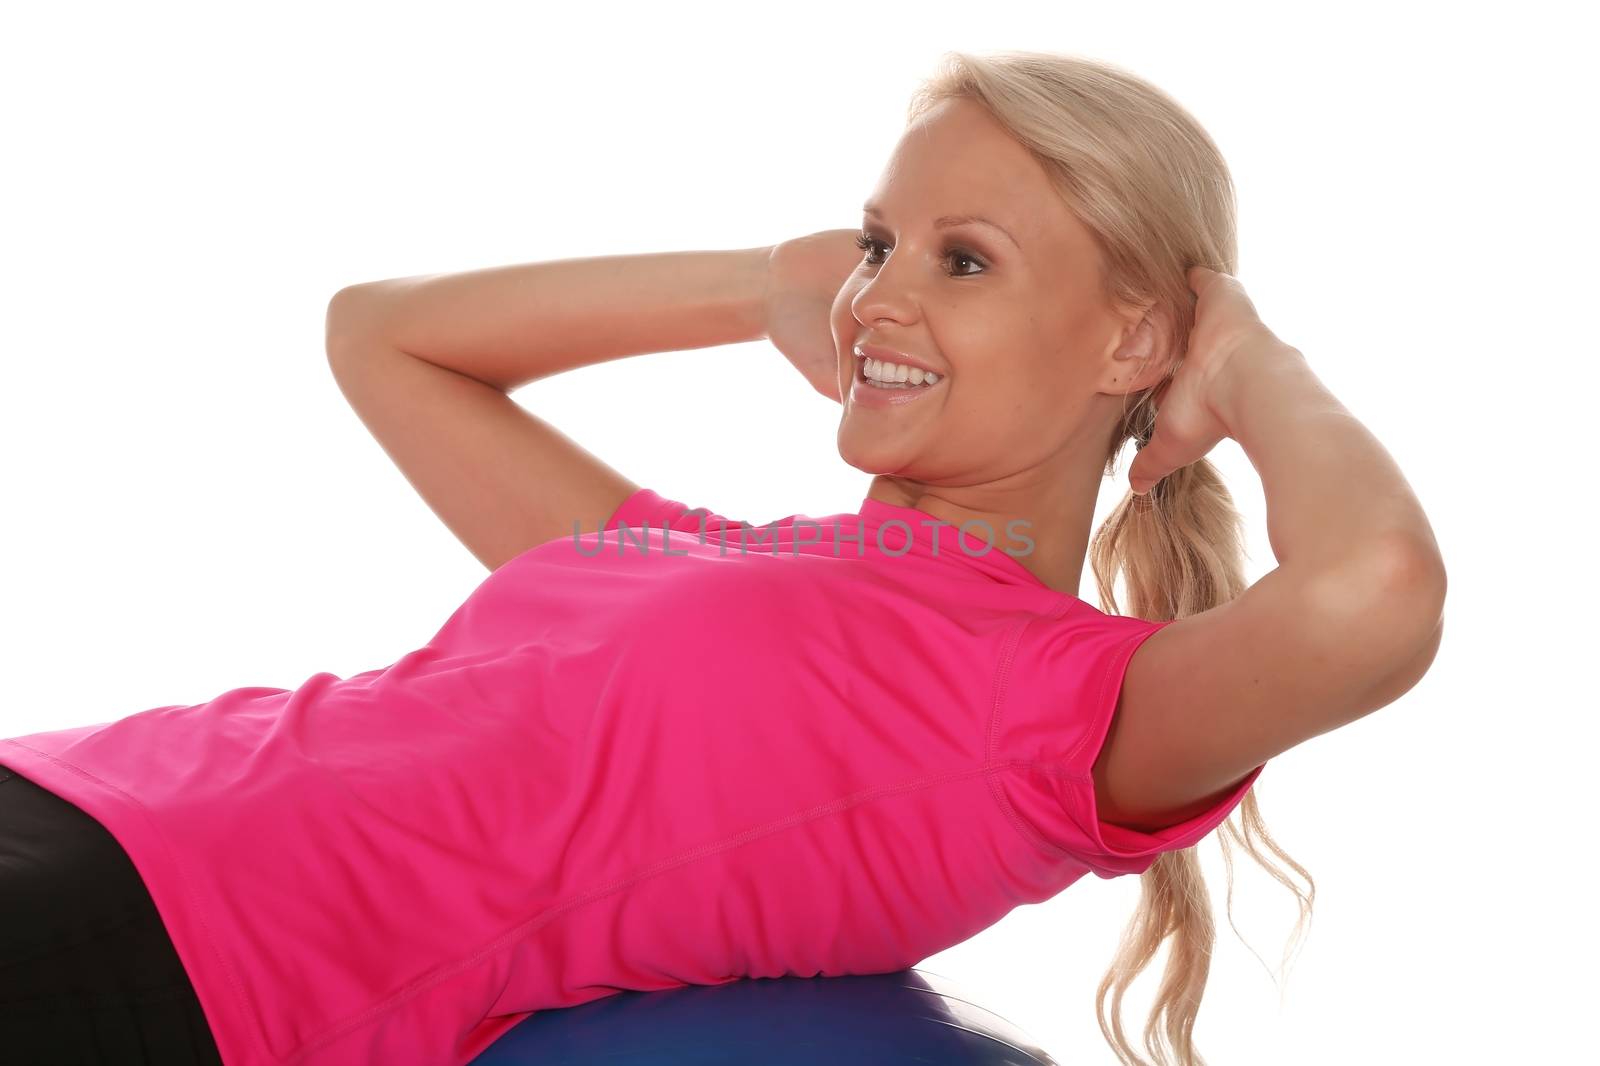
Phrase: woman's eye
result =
(867, 244)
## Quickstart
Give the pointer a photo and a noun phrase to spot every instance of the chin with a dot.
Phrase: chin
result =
(868, 456)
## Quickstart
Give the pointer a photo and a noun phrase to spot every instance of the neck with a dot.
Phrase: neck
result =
(1052, 506)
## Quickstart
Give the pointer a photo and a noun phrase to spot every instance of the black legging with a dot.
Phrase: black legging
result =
(88, 974)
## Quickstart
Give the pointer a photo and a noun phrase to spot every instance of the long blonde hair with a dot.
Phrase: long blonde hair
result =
(1145, 178)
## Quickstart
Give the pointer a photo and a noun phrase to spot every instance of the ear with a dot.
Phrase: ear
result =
(1139, 351)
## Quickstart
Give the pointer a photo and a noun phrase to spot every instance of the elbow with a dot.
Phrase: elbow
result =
(1396, 582)
(348, 320)
(1414, 576)
(1405, 676)
(1384, 613)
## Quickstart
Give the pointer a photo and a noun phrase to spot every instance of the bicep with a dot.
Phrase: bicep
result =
(1208, 698)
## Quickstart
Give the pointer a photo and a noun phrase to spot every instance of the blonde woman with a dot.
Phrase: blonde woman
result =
(659, 747)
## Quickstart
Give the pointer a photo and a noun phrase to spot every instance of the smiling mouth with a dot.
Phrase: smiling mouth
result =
(893, 386)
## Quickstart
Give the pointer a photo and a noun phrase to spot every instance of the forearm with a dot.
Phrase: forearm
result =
(1335, 498)
(509, 325)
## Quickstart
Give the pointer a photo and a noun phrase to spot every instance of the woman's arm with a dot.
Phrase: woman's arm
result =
(1349, 620)
(427, 363)
(509, 325)
(1332, 489)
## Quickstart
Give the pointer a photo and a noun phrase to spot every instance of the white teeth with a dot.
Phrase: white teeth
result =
(880, 370)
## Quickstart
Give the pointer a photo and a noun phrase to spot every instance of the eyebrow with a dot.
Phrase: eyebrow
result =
(944, 221)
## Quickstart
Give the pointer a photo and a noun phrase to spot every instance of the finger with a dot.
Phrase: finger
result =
(1142, 472)
(1199, 277)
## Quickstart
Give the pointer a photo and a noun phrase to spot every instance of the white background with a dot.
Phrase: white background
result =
(191, 506)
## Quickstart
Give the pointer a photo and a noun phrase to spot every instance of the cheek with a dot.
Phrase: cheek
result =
(843, 331)
(1017, 397)
(840, 315)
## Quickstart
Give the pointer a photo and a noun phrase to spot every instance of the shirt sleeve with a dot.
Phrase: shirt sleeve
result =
(1088, 656)
(1114, 849)
(646, 506)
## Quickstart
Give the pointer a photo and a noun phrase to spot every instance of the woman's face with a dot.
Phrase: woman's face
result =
(1015, 327)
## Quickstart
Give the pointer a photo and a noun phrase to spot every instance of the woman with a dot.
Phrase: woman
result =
(678, 749)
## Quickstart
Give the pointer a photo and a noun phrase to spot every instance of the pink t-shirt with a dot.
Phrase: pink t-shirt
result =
(629, 760)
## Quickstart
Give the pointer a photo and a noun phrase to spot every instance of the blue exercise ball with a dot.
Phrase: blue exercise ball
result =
(910, 1016)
